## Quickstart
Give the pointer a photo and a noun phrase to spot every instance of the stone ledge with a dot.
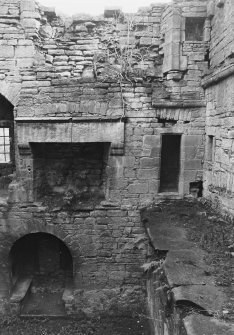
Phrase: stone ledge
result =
(69, 119)
(179, 104)
(217, 76)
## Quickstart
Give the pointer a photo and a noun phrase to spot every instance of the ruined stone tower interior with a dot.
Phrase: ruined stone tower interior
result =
(116, 163)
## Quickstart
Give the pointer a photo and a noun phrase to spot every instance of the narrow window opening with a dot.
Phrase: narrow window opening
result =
(210, 148)
(207, 58)
(194, 28)
(170, 163)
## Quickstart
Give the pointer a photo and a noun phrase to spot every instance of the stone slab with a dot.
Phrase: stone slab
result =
(20, 290)
(186, 267)
(112, 132)
(165, 236)
(208, 297)
(44, 132)
(69, 132)
(199, 325)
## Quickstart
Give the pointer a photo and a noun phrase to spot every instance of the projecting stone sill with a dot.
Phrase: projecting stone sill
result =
(178, 104)
(38, 207)
(87, 118)
(182, 295)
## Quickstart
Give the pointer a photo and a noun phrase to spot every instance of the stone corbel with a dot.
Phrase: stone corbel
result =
(117, 149)
(24, 150)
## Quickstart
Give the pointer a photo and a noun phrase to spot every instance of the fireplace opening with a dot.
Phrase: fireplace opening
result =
(41, 256)
(6, 144)
(170, 163)
(70, 175)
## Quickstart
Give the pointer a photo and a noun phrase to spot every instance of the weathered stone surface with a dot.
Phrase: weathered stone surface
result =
(199, 324)
(184, 267)
(71, 132)
(20, 290)
(208, 297)
(6, 51)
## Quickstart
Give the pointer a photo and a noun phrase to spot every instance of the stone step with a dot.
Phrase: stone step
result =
(41, 304)
(20, 289)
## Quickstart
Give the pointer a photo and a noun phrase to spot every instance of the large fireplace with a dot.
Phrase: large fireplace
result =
(70, 175)
(64, 162)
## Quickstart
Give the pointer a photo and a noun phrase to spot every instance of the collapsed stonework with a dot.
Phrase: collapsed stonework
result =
(100, 117)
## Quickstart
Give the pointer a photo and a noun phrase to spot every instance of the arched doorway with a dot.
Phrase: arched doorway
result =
(48, 261)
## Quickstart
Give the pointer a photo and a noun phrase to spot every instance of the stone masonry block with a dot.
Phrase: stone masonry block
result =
(138, 188)
(6, 51)
(194, 164)
(98, 213)
(147, 163)
(154, 186)
(191, 140)
(3, 10)
(25, 62)
(190, 176)
(30, 23)
(176, 20)
(190, 152)
(117, 221)
(90, 221)
(147, 173)
(117, 212)
(27, 5)
(129, 161)
(155, 152)
(30, 15)
(150, 141)
(78, 221)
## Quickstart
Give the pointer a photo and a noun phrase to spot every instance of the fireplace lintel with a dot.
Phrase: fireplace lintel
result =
(70, 131)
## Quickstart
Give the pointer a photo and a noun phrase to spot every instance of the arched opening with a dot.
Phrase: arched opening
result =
(7, 155)
(47, 262)
(40, 255)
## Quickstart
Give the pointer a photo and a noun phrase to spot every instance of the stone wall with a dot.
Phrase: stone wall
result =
(102, 244)
(221, 45)
(218, 82)
(219, 158)
(120, 83)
